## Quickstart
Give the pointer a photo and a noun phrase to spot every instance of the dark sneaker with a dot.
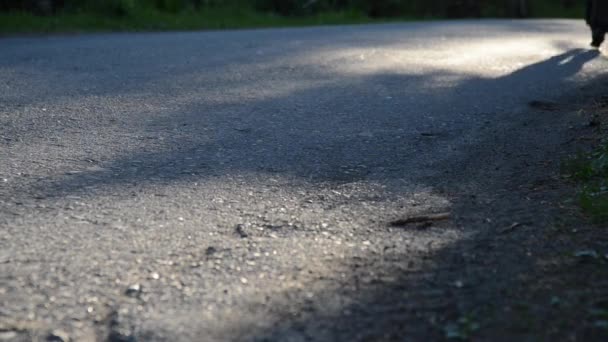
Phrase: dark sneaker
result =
(598, 38)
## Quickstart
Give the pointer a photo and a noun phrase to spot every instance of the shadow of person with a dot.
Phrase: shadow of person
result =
(558, 67)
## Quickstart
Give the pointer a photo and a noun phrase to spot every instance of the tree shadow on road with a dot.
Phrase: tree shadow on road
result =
(286, 137)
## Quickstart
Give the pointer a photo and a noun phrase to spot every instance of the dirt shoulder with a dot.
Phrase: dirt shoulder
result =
(560, 290)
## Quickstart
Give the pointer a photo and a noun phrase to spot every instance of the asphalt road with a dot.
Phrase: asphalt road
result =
(240, 185)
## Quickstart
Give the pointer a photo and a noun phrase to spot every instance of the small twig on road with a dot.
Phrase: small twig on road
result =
(421, 219)
(514, 226)
(544, 105)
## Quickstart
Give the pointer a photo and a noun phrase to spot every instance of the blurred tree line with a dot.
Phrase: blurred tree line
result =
(371, 8)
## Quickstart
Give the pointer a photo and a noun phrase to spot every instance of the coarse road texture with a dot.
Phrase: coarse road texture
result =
(240, 186)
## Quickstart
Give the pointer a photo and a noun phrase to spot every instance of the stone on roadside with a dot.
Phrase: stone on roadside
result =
(133, 290)
(58, 335)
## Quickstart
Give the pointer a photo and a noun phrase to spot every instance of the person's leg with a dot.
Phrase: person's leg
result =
(599, 35)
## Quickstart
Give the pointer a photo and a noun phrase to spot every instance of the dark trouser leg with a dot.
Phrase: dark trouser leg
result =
(598, 37)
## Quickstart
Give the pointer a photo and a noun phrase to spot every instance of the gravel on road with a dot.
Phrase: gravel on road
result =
(267, 185)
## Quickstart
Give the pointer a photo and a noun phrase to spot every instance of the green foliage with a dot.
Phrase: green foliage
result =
(594, 201)
(592, 171)
(95, 15)
(173, 6)
(427, 8)
(388, 8)
(570, 9)
(120, 8)
(586, 167)
(294, 8)
(145, 19)
(462, 329)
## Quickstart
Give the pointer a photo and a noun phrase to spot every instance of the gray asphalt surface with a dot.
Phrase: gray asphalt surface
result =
(239, 186)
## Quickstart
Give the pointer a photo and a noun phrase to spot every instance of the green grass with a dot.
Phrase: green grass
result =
(591, 170)
(154, 20)
(548, 9)
(539, 9)
(138, 18)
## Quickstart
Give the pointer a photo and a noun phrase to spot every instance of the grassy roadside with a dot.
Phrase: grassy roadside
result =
(146, 18)
(549, 10)
(590, 170)
(153, 20)
(562, 294)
